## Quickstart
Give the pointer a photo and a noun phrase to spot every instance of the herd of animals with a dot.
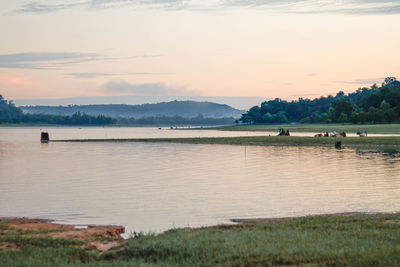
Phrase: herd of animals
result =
(282, 132)
(342, 134)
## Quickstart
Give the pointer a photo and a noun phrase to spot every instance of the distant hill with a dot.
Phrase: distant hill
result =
(242, 103)
(186, 109)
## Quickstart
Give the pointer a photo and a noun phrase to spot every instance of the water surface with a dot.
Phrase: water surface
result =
(157, 186)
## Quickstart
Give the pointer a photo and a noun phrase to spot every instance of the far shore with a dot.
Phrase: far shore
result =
(315, 128)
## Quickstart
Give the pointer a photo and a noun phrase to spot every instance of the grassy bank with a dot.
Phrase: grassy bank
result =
(266, 141)
(357, 240)
(318, 128)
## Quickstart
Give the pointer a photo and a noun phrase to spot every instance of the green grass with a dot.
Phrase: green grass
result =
(358, 142)
(318, 128)
(344, 240)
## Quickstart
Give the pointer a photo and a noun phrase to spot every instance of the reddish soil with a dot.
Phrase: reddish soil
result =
(102, 237)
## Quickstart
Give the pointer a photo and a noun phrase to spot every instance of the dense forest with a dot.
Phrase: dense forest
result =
(366, 105)
(9, 113)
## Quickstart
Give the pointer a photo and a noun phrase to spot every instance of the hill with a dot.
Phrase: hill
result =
(185, 109)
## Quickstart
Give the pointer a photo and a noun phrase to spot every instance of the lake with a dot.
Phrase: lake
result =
(158, 186)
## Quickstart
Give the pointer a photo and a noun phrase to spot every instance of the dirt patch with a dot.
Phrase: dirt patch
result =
(101, 237)
(91, 232)
(103, 247)
(8, 246)
(38, 226)
(26, 224)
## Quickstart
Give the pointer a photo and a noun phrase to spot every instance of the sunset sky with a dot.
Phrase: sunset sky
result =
(262, 48)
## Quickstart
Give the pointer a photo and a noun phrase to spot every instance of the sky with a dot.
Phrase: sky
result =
(236, 48)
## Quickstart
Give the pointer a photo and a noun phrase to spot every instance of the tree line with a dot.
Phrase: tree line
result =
(9, 113)
(377, 104)
(176, 120)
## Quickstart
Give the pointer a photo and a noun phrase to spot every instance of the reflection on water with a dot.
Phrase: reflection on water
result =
(156, 186)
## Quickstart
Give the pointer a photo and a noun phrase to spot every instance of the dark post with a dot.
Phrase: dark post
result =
(338, 145)
(44, 137)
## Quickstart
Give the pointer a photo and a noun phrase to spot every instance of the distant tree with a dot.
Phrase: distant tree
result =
(343, 118)
(342, 106)
(389, 81)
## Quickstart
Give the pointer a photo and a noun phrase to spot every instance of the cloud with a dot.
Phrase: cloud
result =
(49, 6)
(91, 75)
(321, 6)
(37, 60)
(116, 3)
(147, 56)
(12, 80)
(145, 89)
(40, 7)
(282, 6)
(367, 81)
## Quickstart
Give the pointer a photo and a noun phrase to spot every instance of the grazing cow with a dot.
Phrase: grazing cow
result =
(333, 134)
(364, 134)
(326, 134)
(343, 134)
(318, 135)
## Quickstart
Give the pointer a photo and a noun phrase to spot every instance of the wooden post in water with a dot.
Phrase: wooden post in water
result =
(338, 145)
(44, 137)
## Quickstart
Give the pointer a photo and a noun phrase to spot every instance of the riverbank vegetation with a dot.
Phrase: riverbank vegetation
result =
(316, 128)
(263, 140)
(336, 240)
(366, 105)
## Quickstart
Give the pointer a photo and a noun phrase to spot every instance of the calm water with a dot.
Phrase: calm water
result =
(157, 186)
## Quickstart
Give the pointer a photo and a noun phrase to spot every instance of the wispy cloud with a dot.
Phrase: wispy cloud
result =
(44, 7)
(12, 80)
(89, 75)
(50, 60)
(92, 75)
(52, 6)
(282, 6)
(44, 60)
(147, 56)
(321, 6)
(145, 89)
(367, 81)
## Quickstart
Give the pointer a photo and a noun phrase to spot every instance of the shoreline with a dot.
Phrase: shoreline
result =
(291, 218)
(356, 239)
(352, 142)
(316, 128)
